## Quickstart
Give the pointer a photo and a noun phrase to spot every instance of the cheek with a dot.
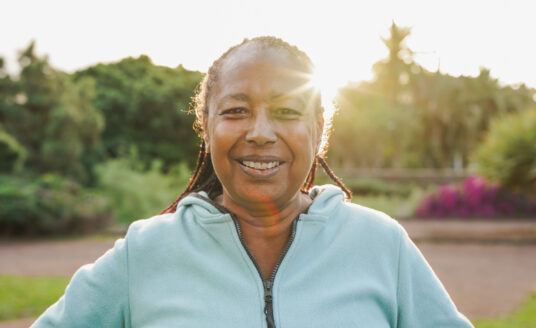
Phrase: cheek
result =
(303, 142)
(223, 135)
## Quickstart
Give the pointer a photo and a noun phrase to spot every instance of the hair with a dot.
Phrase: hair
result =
(204, 178)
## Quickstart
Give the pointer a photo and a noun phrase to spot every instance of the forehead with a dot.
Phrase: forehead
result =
(253, 52)
(265, 71)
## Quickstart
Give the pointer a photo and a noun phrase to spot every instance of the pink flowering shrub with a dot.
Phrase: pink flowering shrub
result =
(475, 198)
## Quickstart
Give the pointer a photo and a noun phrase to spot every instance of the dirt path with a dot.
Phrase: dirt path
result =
(484, 279)
(50, 258)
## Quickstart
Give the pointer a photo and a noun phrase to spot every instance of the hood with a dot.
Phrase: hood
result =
(325, 199)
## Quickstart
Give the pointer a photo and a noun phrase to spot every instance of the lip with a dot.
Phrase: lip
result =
(260, 158)
(257, 173)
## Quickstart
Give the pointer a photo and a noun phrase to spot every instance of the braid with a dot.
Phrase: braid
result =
(335, 178)
(198, 166)
(309, 182)
(208, 181)
(203, 178)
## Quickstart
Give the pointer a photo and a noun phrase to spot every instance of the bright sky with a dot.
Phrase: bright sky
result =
(342, 37)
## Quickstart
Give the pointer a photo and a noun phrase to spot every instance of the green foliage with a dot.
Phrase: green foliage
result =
(7, 90)
(412, 118)
(508, 153)
(371, 132)
(398, 207)
(51, 117)
(12, 153)
(48, 205)
(525, 317)
(145, 106)
(375, 187)
(22, 297)
(399, 200)
(390, 70)
(136, 193)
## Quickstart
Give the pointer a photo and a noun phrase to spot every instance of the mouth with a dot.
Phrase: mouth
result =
(260, 165)
(260, 168)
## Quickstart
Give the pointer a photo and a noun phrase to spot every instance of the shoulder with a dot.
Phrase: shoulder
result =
(155, 234)
(353, 218)
(368, 227)
(155, 225)
(355, 214)
(368, 240)
(176, 228)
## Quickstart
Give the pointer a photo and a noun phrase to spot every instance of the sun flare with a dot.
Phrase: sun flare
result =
(328, 83)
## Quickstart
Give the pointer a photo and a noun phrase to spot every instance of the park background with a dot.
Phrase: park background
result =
(435, 124)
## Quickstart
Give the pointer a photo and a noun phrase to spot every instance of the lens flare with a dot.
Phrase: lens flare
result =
(327, 82)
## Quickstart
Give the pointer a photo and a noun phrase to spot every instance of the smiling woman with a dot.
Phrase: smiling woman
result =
(255, 119)
(251, 242)
(266, 70)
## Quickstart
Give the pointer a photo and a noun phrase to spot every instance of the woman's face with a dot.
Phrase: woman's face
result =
(262, 132)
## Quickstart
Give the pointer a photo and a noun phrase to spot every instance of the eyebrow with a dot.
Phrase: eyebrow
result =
(289, 95)
(238, 96)
(244, 97)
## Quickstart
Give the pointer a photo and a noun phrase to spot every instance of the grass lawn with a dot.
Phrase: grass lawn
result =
(525, 317)
(396, 207)
(22, 297)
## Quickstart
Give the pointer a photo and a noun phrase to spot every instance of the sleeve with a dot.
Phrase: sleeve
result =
(422, 299)
(97, 295)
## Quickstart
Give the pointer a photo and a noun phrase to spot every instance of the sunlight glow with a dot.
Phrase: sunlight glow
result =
(345, 34)
(328, 83)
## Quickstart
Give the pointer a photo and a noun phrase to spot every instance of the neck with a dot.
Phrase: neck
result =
(266, 228)
(266, 220)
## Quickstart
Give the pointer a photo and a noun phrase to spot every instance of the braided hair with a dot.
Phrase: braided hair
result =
(204, 178)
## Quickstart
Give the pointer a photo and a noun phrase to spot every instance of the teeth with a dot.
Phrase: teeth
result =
(260, 165)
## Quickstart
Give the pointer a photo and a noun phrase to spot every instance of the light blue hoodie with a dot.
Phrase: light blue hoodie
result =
(346, 266)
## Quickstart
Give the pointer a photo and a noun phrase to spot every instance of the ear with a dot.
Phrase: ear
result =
(206, 141)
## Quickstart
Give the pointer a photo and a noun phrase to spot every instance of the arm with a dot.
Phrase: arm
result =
(422, 299)
(97, 295)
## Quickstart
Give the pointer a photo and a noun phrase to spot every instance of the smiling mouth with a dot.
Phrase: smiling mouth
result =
(261, 165)
(260, 168)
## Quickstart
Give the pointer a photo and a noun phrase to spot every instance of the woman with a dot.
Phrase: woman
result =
(251, 242)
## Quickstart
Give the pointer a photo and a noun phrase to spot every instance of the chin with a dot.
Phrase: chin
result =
(268, 194)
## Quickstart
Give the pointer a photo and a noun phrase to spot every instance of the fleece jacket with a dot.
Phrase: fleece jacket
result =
(346, 266)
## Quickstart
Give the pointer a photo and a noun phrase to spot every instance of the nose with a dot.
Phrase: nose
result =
(261, 130)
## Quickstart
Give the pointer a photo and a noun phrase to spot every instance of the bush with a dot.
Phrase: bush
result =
(371, 186)
(508, 153)
(48, 205)
(475, 198)
(135, 193)
(12, 153)
(376, 187)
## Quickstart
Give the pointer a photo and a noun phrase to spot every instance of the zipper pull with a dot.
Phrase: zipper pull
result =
(268, 309)
(268, 289)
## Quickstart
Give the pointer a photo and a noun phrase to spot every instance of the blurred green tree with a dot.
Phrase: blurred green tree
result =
(12, 153)
(145, 106)
(393, 73)
(50, 116)
(508, 153)
(408, 117)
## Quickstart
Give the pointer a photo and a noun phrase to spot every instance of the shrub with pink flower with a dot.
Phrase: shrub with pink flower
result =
(475, 197)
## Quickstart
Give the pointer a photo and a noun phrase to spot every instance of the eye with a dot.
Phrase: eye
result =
(287, 113)
(234, 111)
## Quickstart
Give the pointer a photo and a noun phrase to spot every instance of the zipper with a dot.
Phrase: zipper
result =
(267, 284)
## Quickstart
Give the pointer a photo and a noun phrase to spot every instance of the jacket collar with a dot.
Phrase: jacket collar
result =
(325, 199)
